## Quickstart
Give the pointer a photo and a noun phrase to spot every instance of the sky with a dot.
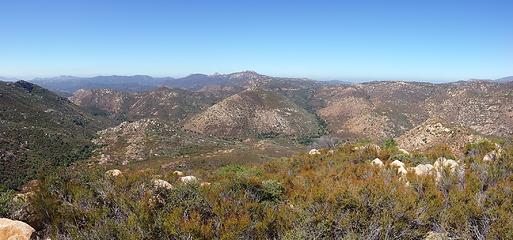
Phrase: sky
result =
(435, 40)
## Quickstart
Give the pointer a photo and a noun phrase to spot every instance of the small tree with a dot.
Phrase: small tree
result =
(389, 143)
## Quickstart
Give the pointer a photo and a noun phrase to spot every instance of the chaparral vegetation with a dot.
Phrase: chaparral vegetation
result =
(331, 194)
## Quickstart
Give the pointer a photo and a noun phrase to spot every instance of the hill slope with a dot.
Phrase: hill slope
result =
(39, 129)
(149, 139)
(169, 105)
(381, 110)
(433, 133)
(255, 113)
(505, 79)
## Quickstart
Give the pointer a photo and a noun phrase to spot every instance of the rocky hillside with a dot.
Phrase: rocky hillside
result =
(101, 101)
(229, 105)
(482, 106)
(375, 111)
(147, 139)
(170, 105)
(433, 133)
(255, 113)
(381, 110)
(39, 129)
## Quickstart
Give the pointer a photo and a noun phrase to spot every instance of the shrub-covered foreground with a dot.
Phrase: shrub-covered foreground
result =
(336, 195)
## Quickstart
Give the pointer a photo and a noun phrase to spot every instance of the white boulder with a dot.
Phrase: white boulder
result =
(494, 154)
(189, 179)
(314, 152)
(159, 183)
(401, 168)
(442, 163)
(423, 169)
(402, 171)
(377, 162)
(490, 157)
(113, 173)
(397, 163)
(15, 230)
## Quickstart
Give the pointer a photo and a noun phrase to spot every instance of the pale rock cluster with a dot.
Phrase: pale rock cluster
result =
(440, 165)
(443, 163)
(367, 147)
(134, 146)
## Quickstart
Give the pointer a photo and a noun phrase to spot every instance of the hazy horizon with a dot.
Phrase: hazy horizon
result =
(352, 80)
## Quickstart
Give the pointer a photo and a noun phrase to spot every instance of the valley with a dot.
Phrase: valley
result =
(206, 115)
(241, 127)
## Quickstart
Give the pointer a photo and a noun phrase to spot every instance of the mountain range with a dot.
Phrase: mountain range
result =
(248, 104)
(195, 82)
(242, 114)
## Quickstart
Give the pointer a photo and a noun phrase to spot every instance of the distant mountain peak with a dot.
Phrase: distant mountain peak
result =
(245, 75)
(197, 75)
(505, 79)
(241, 74)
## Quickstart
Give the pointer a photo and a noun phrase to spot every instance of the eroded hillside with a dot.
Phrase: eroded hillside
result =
(255, 113)
(169, 105)
(248, 104)
(381, 110)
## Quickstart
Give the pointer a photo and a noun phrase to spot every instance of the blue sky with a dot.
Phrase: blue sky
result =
(348, 40)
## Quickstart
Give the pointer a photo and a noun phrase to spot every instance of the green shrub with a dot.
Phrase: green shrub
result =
(271, 191)
(6, 201)
(389, 144)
